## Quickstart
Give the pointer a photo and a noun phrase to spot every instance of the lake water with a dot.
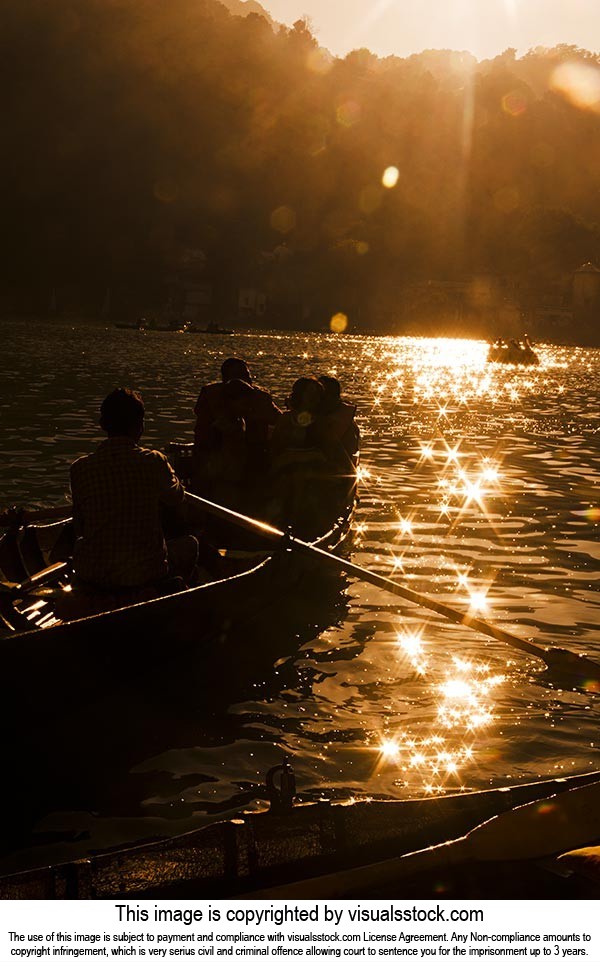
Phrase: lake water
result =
(480, 487)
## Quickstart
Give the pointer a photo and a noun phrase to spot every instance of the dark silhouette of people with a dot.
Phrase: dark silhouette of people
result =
(529, 355)
(298, 466)
(314, 446)
(234, 420)
(118, 494)
(513, 351)
(295, 429)
(336, 425)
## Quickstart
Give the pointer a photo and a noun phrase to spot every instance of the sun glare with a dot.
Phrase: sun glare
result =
(440, 384)
(410, 647)
(389, 749)
(579, 83)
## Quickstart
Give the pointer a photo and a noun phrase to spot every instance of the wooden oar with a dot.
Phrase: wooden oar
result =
(572, 666)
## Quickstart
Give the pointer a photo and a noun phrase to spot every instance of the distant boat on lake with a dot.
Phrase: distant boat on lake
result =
(512, 352)
(175, 327)
(209, 329)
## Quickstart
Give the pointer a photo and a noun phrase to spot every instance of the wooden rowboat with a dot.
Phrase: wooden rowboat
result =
(42, 623)
(336, 849)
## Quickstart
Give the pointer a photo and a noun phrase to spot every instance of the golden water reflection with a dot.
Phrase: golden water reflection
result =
(463, 485)
(479, 487)
(448, 741)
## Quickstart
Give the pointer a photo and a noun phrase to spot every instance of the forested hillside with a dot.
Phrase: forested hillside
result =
(137, 130)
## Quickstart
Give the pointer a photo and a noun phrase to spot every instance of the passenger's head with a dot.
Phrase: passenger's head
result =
(122, 414)
(306, 398)
(331, 392)
(234, 368)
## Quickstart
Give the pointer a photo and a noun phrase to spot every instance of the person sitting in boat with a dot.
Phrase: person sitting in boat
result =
(256, 406)
(234, 420)
(336, 426)
(515, 351)
(300, 469)
(295, 430)
(529, 355)
(498, 351)
(118, 494)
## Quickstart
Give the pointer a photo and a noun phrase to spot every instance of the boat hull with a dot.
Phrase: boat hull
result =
(49, 665)
(257, 851)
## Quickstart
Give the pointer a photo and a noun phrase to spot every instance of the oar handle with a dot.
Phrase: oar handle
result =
(241, 520)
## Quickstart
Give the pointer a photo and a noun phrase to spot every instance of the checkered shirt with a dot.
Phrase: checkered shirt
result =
(117, 493)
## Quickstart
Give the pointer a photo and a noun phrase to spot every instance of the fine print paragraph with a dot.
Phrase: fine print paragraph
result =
(381, 932)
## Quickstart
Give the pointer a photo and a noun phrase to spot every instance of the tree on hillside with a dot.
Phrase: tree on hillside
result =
(139, 130)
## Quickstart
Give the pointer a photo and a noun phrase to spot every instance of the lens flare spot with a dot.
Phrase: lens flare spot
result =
(338, 323)
(348, 113)
(283, 220)
(390, 177)
(514, 103)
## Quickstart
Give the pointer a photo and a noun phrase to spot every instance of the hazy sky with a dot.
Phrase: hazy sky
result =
(485, 27)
